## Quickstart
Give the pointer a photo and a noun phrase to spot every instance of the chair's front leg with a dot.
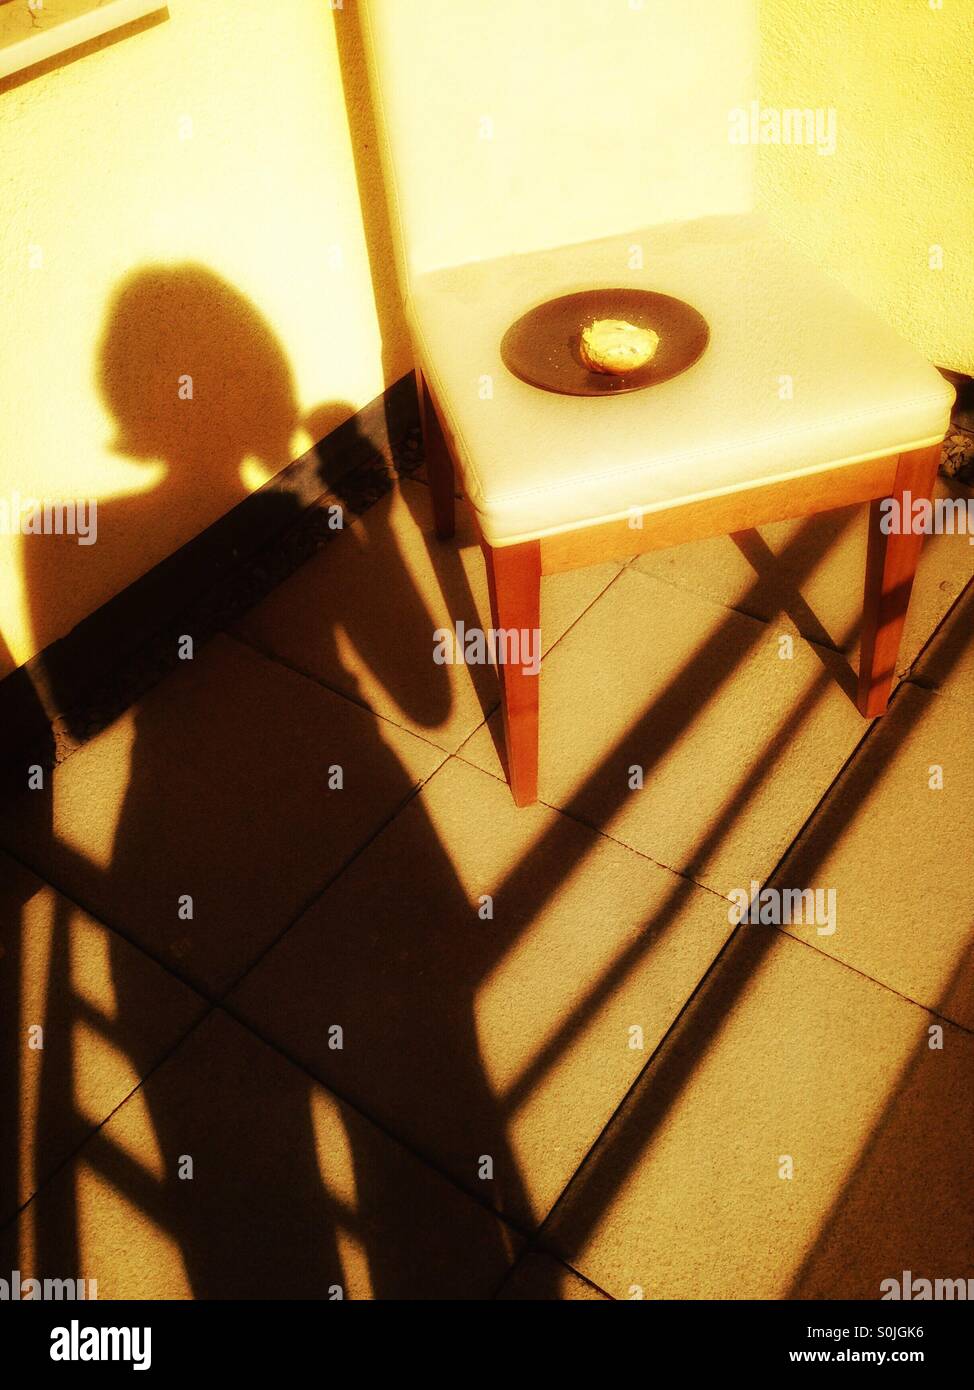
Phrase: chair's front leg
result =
(439, 464)
(514, 578)
(891, 562)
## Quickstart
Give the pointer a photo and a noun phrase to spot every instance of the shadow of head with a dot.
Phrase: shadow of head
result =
(192, 373)
(195, 377)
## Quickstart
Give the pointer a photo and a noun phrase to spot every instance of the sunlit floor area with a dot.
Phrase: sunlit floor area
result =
(315, 1012)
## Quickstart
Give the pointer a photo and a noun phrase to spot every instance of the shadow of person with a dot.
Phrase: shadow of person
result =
(13, 895)
(218, 794)
(196, 386)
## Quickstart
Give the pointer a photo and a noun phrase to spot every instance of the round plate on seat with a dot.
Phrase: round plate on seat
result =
(541, 347)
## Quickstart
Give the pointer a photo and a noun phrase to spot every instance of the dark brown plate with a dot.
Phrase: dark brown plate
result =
(542, 346)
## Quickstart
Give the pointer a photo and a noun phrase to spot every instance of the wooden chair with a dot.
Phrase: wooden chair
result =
(536, 149)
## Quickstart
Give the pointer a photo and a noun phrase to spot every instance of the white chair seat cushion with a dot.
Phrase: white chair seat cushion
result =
(799, 376)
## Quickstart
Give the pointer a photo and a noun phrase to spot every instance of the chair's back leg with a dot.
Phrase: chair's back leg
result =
(891, 563)
(439, 464)
(514, 579)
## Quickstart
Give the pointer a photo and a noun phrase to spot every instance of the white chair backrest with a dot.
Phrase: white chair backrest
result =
(513, 125)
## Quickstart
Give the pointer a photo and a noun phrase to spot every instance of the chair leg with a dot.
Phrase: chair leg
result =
(439, 464)
(891, 562)
(514, 579)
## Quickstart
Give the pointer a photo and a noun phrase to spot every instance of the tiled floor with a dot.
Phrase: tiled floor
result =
(323, 1013)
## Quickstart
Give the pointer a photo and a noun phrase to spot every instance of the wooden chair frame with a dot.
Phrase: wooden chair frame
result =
(514, 572)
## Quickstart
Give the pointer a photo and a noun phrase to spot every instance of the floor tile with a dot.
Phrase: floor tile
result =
(786, 1062)
(509, 1038)
(736, 742)
(106, 1014)
(807, 576)
(948, 664)
(537, 1277)
(233, 1175)
(893, 840)
(215, 787)
(361, 616)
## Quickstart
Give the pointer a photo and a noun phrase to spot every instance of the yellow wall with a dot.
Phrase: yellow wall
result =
(900, 76)
(226, 241)
(218, 244)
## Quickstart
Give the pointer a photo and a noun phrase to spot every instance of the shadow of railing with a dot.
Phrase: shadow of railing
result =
(669, 1069)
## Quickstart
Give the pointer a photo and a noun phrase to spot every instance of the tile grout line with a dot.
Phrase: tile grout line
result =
(647, 858)
(585, 611)
(833, 648)
(221, 1004)
(72, 1154)
(532, 1248)
(428, 1160)
(275, 658)
(731, 607)
(205, 991)
(317, 894)
(596, 830)
(220, 1008)
(863, 975)
(272, 659)
(48, 881)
